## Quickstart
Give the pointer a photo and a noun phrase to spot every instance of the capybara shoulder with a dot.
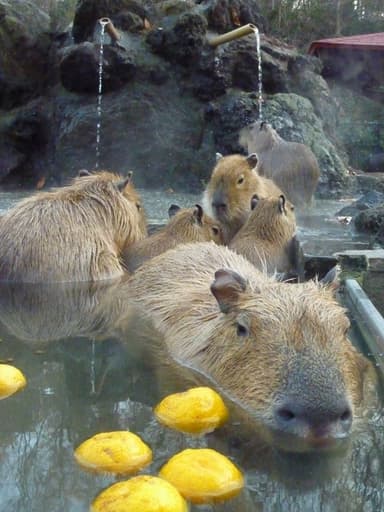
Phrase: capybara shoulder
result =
(185, 225)
(291, 165)
(228, 194)
(73, 233)
(266, 236)
(279, 350)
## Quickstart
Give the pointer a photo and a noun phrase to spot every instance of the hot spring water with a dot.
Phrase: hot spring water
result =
(83, 378)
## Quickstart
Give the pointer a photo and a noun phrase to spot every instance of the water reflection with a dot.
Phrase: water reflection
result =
(101, 368)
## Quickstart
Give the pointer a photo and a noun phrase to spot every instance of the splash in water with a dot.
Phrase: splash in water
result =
(259, 73)
(103, 22)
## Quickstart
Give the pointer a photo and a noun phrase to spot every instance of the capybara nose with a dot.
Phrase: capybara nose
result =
(220, 208)
(306, 420)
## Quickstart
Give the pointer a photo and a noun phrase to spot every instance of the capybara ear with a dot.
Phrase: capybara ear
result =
(173, 209)
(252, 160)
(263, 125)
(123, 183)
(198, 214)
(83, 172)
(227, 287)
(282, 203)
(331, 280)
(254, 200)
(218, 156)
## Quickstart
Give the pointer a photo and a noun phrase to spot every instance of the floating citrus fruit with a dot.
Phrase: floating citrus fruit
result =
(142, 494)
(11, 380)
(196, 411)
(118, 452)
(203, 475)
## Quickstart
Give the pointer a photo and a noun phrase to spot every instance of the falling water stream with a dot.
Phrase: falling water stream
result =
(103, 22)
(259, 74)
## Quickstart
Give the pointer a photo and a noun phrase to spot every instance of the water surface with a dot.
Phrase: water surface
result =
(86, 376)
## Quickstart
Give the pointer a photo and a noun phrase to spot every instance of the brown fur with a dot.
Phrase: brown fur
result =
(265, 238)
(75, 233)
(291, 165)
(261, 341)
(187, 225)
(233, 183)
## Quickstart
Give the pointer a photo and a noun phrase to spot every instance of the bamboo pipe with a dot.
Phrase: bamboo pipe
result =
(233, 34)
(110, 29)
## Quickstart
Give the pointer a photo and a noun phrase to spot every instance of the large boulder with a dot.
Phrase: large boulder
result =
(26, 136)
(80, 68)
(24, 51)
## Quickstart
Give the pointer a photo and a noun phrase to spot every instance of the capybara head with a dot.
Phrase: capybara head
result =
(260, 136)
(193, 225)
(232, 184)
(271, 218)
(106, 184)
(279, 350)
(305, 379)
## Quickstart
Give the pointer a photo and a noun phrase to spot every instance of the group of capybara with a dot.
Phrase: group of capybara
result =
(208, 281)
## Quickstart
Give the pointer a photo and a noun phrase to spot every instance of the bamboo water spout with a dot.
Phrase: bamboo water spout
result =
(233, 34)
(110, 29)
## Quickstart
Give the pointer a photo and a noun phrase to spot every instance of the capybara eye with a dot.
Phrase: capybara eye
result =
(240, 180)
(138, 206)
(215, 230)
(292, 207)
(242, 330)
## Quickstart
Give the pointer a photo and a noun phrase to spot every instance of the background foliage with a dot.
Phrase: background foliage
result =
(301, 21)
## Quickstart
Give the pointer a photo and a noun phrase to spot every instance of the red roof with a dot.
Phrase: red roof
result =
(363, 41)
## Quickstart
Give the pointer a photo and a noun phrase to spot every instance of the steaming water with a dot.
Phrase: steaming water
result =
(83, 378)
(259, 74)
(103, 23)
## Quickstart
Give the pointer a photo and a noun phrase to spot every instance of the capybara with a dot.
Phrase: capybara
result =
(291, 165)
(279, 350)
(265, 239)
(73, 233)
(228, 194)
(185, 225)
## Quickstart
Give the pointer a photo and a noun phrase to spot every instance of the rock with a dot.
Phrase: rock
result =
(375, 163)
(79, 68)
(125, 15)
(226, 15)
(371, 220)
(153, 129)
(26, 138)
(24, 51)
(369, 200)
(182, 43)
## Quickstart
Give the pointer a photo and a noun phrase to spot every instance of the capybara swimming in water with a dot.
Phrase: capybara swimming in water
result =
(291, 165)
(185, 225)
(265, 238)
(280, 350)
(228, 194)
(73, 233)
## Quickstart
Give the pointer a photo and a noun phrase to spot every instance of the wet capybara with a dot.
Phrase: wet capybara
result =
(266, 236)
(185, 225)
(228, 194)
(291, 165)
(279, 350)
(73, 233)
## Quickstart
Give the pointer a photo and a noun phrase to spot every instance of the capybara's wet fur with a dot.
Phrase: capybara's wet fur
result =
(228, 194)
(291, 165)
(279, 350)
(74, 233)
(186, 225)
(266, 236)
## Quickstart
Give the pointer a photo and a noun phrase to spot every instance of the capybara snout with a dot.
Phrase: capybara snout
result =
(313, 404)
